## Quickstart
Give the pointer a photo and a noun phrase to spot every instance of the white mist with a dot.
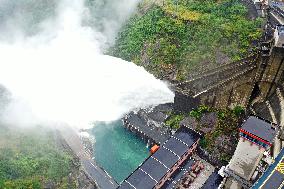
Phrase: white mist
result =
(61, 75)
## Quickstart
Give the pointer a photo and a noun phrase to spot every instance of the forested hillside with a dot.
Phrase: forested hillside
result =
(174, 38)
(31, 158)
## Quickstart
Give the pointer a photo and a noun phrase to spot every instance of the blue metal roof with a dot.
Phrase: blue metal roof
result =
(274, 181)
(187, 136)
(176, 146)
(139, 179)
(156, 166)
(126, 185)
(166, 157)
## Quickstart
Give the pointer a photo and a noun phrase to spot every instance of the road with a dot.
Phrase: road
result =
(94, 172)
(103, 180)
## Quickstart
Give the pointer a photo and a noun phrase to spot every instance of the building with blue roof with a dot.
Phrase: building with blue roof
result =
(167, 164)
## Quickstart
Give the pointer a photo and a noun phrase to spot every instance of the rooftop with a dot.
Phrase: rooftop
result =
(213, 181)
(260, 128)
(177, 176)
(245, 159)
(156, 166)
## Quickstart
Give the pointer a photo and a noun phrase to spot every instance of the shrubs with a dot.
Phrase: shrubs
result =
(225, 126)
(30, 159)
(181, 12)
(238, 110)
(32, 183)
(203, 143)
(186, 35)
(174, 121)
(198, 113)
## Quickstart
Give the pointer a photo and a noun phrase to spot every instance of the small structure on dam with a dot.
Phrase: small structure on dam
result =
(258, 132)
(253, 153)
(163, 168)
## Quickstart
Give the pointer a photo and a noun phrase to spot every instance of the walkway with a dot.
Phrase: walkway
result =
(94, 172)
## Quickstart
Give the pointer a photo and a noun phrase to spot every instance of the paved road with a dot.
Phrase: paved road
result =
(278, 18)
(96, 173)
(102, 179)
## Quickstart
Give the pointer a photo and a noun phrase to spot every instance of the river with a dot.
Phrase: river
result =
(117, 150)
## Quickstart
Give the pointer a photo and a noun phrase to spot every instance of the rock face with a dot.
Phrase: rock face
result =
(184, 103)
(208, 122)
(190, 123)
(252, 12)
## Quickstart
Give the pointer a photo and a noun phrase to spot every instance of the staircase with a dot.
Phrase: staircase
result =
(216, 77)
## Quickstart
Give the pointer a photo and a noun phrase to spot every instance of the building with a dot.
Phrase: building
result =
(252, 154)
(165, 163)
(258, 131)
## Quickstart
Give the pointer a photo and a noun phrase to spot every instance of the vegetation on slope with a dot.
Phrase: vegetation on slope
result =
(30, 159)
(219, 126)
(172, 40)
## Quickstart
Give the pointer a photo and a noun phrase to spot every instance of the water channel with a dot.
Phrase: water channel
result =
(117, 150)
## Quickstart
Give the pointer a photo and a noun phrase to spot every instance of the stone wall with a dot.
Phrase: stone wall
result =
(224, 86)
(233, 84)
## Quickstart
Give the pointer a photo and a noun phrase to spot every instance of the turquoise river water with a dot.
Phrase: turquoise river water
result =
(117, 150)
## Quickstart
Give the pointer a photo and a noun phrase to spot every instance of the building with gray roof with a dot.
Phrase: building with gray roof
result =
(259, 129)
